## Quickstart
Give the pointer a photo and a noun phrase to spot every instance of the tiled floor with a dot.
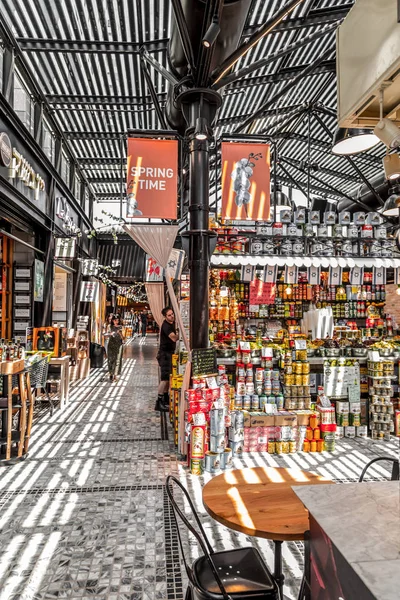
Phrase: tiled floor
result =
(86, 515)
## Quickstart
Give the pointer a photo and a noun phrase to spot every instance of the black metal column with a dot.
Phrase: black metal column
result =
(195, 104)
(199, 242)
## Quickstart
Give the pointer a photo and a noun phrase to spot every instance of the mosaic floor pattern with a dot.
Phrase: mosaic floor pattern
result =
(86, 515)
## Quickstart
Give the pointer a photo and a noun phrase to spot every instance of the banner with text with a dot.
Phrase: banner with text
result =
(245, 181)
(152, 181)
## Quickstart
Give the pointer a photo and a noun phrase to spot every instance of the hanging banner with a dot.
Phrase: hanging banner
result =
(291, 274)
(175, 263)
(270, 274)
(154, 271)
(378, 276)
(38, 287)
(314, 275)
(90, 267)
(152, 181)
(357, 275)
(335, 276)
(245, 181)
(248, 273)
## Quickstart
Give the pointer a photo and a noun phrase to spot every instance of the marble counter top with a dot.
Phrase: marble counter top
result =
(363, 522)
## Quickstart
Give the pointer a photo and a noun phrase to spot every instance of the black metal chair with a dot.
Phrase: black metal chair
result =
(395, 468)
(239, 574)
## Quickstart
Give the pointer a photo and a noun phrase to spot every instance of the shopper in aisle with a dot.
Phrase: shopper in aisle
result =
(168, 338)
(114, 353)
(143, 318)
(107, 330)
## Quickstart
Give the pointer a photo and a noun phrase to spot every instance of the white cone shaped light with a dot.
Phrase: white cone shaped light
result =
(391, 164)
(392, 204)
(388, 133)
(353, 141)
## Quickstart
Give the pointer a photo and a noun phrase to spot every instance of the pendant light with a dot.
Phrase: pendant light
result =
(391, 164)
(212, 33)
(353, 141)
(392, 204)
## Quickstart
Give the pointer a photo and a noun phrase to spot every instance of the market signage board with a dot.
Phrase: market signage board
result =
(89, 291)
(261, 292)
(152, 179)
(204, 362)
(65, 247)
(245, 181)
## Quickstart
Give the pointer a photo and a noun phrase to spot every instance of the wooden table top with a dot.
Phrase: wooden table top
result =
(260, 502)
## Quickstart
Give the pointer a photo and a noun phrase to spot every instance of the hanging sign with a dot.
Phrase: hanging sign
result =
(65, 247)
(152, 180)
(89, 291)
(90, 267)
(245, 181)
(38, 290)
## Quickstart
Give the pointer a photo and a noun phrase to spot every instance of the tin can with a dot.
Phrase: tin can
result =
(237, 418)
(268, 247)
(197, 440)
(328, 248)
(367, 231)
(238, 402)
(255, 402)
(196, 466)
(277, 229)
(316, 248)
(237, 448)
(347, 248)
(247, 402)
(217, 443)
(278, 447)
(217, 421)
(292, 446)
(249, 390)
(380, 232)
(271, 447)
(256, 247)
(338, 231)
(226, 459)
(322, 230)
(298, 247)
(286, 248)
(352, 231)
(264, 228)
(280, 402)
(308, 230)
(212, 462)
(292, 229)
(259, 375)
(249, 371)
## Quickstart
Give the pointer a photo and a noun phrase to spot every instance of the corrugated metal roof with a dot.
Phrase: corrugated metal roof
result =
(96, 85)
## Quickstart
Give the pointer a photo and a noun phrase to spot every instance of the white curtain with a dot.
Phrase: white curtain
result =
(158, 241)
(155, 296)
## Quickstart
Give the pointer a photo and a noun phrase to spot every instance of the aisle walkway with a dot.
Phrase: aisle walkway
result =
(85, 516)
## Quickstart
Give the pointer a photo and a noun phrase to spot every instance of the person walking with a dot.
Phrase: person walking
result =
(114, 350)
(168, 338)
(144, 323)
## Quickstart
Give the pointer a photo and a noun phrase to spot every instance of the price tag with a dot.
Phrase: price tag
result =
(254, 308)
(244, 345)
(267, 352)
(300, 344)
(374, 356)
(354, 393)
(204, 362)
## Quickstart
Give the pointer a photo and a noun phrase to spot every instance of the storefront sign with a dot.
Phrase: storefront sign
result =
(60, 291)
(21, 169)
(152, 181)
(261, 293)
(22, 286)
(21, 313)
(5, 150)
(63, 213)
(245, 181)
(65, 247)
(38, 281)
(22, 273)
(89, 291)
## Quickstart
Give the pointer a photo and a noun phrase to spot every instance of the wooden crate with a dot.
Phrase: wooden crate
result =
(12, 367)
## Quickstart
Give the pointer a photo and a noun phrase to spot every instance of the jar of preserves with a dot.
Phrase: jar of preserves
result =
(313, 445)
(306, 446)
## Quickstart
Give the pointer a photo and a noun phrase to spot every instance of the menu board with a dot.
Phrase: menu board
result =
(261, 292)
(204, 362)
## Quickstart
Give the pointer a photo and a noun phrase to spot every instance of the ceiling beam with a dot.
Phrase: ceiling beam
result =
(92, 161)
(102, 99)
(90, 46)
(315, 17)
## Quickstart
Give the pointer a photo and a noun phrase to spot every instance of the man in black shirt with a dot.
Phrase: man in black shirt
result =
(168, 338)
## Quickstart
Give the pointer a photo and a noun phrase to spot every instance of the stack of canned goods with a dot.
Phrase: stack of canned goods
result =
(381, 409)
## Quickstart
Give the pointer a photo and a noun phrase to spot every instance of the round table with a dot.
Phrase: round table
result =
(260, 502)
